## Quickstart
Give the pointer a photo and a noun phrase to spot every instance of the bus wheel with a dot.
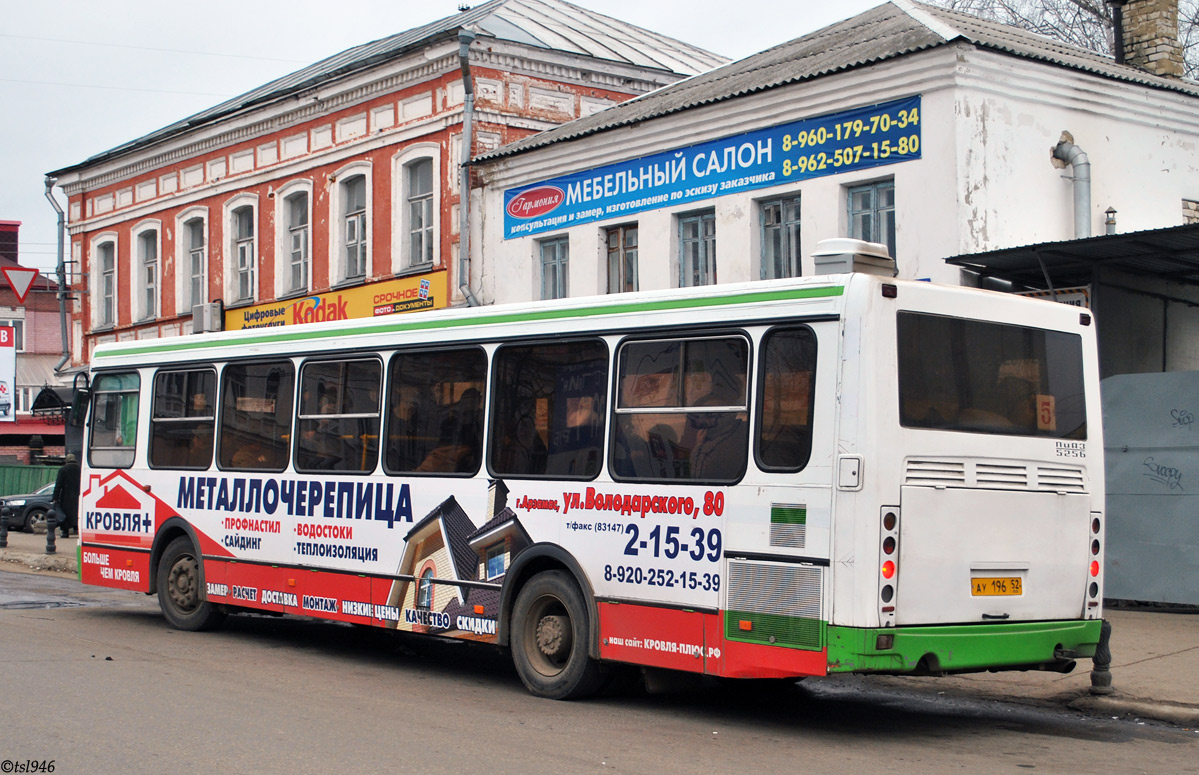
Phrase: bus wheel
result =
(549, 639)
(179, 589)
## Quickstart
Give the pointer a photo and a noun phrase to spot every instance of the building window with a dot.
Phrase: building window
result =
(147, 257)
(195, 242)
(354, 233)
(495, 561)
(24, 398)
(697, 249)
(622, 258)
(297, 241)
(18, 333)
(872, 213)
(243, 250)
(418, 180)
(780, 238)
(555, 256)
(106, 301)
(424, 591)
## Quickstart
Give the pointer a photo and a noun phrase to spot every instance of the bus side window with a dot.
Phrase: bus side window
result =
(338, 423)
(681, 410)
(548, 411)
(786, 395)
(256, 405)
(435, 421)
(113, 438)
(182, 419)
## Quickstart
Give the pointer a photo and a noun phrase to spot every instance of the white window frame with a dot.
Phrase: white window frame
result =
(616, 260)
(283, 238)
(183, 259)
(337, 221)
(105, 291)
(401, 247)
(707, 251)
(237, 249)
(878, 232)
(145, 289)
(790, 231)
(561, 282)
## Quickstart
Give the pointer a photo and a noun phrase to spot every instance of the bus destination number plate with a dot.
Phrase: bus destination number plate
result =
(996, 586)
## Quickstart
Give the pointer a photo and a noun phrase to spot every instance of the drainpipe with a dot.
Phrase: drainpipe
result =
(62, 277)
(1069, 153)
(465, 38)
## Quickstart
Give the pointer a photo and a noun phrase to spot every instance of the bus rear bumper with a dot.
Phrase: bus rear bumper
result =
(961, 648)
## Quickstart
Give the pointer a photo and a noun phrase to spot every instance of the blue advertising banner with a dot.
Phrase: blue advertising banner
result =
(871, 136)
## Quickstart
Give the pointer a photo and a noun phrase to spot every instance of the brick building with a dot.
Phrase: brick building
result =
(334, 191)
(36, 332)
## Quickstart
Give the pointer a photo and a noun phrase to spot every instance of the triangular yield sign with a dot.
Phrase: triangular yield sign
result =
(21, 280)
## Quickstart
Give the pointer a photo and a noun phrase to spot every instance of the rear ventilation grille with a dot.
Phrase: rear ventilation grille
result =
(775, 604)
(1001, 477)
(936, 473)
(993, 475)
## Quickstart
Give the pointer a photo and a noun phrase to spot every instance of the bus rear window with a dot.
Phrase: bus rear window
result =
(979, 377)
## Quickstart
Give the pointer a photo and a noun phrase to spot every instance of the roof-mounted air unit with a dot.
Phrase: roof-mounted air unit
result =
(843, 255)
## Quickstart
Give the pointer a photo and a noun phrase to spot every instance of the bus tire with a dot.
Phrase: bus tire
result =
(549, 639)
(179, 589)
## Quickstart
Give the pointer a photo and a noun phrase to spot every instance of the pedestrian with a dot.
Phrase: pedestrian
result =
(66, 496)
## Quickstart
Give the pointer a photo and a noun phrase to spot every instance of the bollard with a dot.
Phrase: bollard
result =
(1101, 675)
(51, 530)
(4, 527)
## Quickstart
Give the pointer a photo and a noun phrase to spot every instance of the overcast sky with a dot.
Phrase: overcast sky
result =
(78, 77)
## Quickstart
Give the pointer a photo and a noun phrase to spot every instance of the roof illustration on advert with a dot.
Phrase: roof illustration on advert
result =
(888, 31)
(547, 24)
(455, 527)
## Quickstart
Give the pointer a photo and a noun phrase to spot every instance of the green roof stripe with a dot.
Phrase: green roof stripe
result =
(281, 335)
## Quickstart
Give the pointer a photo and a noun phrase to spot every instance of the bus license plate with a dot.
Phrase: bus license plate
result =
(1008, 585)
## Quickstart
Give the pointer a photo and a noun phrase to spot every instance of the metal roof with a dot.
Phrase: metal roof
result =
(887, 31)
(548, 24)
(1169, 254)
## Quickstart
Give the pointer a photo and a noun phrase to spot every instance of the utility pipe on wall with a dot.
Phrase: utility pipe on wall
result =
(465, 38)
(1066, 151)
(62, 277)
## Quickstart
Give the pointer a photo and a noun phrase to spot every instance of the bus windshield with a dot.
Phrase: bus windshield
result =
(980, 377)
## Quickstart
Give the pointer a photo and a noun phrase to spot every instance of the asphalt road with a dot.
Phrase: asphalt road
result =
(96, 681)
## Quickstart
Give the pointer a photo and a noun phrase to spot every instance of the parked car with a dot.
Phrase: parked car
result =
(28, 512)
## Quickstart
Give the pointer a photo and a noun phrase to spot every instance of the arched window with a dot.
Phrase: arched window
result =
(243, 249)
(424, 591)
(191, 259)
(104, 269)
(146, 271)
(293, 238)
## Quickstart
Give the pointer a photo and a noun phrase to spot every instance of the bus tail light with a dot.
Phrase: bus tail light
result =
(888, 567)
(1094, 596)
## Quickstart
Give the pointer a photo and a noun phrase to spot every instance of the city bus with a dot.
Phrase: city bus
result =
(769, 480)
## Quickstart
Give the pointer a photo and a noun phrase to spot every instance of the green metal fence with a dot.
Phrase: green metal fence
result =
(16, 480)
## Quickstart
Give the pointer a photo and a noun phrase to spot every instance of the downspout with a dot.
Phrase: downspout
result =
(1066, 151)
(465, 38)
(63, 292)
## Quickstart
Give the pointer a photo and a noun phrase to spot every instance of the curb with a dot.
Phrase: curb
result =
(1184, 715)
(54, 563)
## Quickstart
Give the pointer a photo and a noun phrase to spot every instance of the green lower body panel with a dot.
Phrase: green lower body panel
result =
(958, 648)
